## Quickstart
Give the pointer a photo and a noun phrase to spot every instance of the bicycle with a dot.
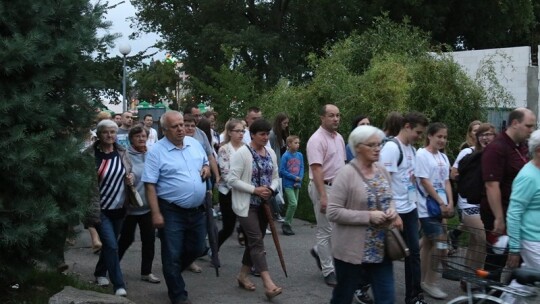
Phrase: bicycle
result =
(524, 276)
(483, 282)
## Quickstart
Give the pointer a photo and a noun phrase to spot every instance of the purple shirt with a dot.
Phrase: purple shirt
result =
(327, 149)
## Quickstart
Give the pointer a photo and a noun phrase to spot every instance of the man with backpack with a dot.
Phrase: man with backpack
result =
(398, 157)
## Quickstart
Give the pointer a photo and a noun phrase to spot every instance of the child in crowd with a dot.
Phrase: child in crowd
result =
(291, 169)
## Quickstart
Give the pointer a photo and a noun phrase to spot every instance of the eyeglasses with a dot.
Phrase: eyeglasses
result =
(189, 126)
(373, 145)
(239, 131)
(486, 135)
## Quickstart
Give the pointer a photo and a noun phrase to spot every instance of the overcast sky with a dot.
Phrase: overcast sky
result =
(120, 24)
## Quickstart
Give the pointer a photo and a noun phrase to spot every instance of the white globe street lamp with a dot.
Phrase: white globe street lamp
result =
(124, 49)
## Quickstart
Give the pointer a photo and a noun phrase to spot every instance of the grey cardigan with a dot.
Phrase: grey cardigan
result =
(347, 209)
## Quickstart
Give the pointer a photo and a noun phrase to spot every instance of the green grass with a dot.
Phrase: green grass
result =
(40, 286)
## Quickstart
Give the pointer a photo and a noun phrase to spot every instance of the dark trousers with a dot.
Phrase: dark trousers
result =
(412, 262)
(148, 238)
(275, 206)
(380, 275)
(228, 217)
(254, 226)
(494, 263)
(182, 241)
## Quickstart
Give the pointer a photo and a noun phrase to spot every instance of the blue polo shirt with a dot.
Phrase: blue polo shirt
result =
(177, 172)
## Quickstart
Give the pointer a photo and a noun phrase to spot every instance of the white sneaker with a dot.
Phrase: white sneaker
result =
(102, 281)
(121, 292)
(268, 231)
(433, 291)
(151, 278)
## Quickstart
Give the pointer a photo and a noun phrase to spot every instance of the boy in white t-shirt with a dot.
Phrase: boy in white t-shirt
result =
(398, 156)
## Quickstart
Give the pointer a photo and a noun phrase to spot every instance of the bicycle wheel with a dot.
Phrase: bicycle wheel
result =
(477, 299)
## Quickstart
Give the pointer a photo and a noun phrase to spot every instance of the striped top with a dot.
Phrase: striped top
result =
(111, 173)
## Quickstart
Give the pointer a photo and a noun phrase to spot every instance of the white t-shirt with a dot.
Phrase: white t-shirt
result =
(462, 202)
(152, 138)
(436, 168)
(404, 191)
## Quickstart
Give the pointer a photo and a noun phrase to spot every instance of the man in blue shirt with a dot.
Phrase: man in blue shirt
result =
(174, 174)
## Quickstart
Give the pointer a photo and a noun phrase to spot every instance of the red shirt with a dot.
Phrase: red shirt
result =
(501, 161)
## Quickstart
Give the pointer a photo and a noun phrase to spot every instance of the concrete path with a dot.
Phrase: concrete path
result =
(304, 284)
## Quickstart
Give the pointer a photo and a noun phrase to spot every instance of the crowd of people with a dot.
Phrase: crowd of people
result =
(377, 181)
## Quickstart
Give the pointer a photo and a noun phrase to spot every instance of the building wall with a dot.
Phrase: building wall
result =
(511, 65)
(514, 72)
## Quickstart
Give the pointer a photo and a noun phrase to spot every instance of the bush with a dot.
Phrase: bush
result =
(387, 68)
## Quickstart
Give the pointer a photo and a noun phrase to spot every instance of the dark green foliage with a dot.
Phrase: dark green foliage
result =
(44, 117)
(486, 24)
(231, 91)
(271, 39)
(152, 81)
(387, 68)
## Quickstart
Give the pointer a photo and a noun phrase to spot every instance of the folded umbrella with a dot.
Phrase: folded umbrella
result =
(275, 237)
(212, 229)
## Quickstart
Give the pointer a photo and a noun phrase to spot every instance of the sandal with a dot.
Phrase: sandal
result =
(274, 293)
(96, 248)
(249, 286)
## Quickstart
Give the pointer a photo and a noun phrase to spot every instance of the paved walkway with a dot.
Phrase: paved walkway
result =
(304, 284)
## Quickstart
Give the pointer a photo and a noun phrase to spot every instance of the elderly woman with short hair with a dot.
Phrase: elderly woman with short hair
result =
(361, 207)
(141, 216)
(523, 213)
(113, 168)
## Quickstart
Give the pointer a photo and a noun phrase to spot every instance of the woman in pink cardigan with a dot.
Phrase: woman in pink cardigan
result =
(361, 207)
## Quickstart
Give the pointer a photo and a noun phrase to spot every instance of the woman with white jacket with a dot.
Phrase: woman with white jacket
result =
(254, 180)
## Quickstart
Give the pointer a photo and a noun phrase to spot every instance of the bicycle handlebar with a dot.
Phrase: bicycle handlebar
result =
(526, 276)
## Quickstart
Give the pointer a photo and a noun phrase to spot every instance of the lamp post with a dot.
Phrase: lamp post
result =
(124, 49)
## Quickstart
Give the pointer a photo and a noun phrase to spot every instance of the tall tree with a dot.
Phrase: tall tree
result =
(45, 53)
(273, 38)
(270, 38)
(387, 68)
(155, 81)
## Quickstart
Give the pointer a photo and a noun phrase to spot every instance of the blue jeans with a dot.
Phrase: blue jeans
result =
(108, 231)
(412, 262)
(349, 276)
(182, 241)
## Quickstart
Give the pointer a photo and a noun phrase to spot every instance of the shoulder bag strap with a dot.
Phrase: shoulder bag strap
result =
(256, 163)
(368, 184)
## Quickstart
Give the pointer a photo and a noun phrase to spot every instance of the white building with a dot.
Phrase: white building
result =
(515, 72)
